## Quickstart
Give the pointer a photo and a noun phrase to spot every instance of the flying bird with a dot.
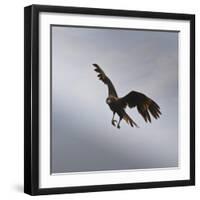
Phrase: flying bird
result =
(145, 106)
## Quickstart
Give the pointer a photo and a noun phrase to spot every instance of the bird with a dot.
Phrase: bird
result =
(146, 107)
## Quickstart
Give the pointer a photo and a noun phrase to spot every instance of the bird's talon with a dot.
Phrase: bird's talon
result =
(118, 126)
(113, 122)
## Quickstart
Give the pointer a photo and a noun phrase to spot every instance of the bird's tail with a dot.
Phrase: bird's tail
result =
(129, 120)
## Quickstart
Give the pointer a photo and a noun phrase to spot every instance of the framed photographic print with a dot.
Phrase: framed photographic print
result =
(109, 99)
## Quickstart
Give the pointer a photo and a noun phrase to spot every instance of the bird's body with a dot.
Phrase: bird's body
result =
(115, 106)
(145, 105)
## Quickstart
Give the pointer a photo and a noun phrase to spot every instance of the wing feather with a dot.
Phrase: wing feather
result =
(145, 106)
(102, 76)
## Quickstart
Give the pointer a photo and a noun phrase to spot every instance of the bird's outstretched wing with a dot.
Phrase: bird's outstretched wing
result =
(102, 76)
(145, 105)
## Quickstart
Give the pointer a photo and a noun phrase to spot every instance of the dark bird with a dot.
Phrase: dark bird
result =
(145, 106)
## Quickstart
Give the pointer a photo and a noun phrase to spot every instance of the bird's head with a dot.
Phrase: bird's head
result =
(110, 100)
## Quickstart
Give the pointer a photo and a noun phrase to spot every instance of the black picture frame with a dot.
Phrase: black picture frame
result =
(31, 98)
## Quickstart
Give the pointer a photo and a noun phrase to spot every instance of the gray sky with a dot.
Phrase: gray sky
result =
(83, 138)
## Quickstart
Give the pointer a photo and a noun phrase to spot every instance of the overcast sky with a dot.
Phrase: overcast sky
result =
(83, 138)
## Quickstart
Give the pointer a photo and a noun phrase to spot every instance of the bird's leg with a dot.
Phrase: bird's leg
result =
(118, 125)
(113, 120)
